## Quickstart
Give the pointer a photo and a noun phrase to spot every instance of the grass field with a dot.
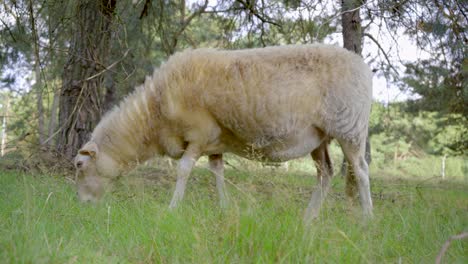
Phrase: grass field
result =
(41, 220)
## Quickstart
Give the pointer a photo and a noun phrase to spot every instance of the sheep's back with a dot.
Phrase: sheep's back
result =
(273, 92)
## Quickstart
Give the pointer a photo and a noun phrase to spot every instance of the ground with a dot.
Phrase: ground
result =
(41, 220)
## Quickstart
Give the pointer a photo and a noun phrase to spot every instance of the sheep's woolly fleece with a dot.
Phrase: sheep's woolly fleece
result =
(233, 100)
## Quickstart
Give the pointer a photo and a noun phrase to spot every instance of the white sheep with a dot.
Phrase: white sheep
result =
(269, 104)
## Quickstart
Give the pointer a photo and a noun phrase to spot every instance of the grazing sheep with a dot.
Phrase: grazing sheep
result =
(269, 104)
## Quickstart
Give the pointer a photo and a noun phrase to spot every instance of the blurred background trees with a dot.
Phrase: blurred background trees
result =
(64, 63)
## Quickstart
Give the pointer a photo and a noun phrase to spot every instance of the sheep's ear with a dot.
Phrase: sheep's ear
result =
(89, 149)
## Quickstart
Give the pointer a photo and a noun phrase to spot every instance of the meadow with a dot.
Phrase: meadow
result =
(41, 220)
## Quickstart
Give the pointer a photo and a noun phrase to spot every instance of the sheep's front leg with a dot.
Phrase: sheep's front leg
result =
(217, 167)
(184, 168)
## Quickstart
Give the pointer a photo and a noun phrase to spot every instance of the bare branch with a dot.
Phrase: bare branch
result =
(200, 10)
(215, 11)
(252, 11)
(9, 30)
(383, 51)
(447, 244)
(340, 14)
(146, 7)
(461, 10)
(108, 67)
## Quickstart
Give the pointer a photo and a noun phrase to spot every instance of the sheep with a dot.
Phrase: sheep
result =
(279, 103)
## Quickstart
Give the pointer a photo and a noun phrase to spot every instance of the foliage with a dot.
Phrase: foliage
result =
(144, 33)
(439, 29)
(397, 132)
(441, 88)
(42, 222)
(273, 22)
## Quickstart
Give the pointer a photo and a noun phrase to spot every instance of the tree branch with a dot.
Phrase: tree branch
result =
(108, 67)
(9, 30)
(199, 11)
(186, 22)
(248, 6)
(146, 7)
(461, 10)
(383, 51)
(338, 14)
(447, 244)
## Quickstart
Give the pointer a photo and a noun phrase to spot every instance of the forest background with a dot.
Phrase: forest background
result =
(65, 63)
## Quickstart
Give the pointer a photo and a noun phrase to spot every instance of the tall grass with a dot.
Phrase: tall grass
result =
(41, 220)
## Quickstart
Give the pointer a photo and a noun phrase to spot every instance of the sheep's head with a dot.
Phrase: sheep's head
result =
(94, 170)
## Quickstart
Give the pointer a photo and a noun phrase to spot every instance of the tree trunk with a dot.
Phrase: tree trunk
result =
(110, 97)
(55, 101)
(37, 71)
(53, 117)
(352, 40)
(351, 23)
(82, 89)
(4, 126)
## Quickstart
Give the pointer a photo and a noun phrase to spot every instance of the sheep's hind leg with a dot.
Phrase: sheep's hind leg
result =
(358, 173)
(351, 184)
(217, 167)
(184, 168)
(324, 174)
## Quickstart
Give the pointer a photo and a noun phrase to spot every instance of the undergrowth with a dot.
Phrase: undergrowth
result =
(41, 220)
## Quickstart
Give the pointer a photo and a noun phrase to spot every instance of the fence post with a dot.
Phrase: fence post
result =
(443, 166)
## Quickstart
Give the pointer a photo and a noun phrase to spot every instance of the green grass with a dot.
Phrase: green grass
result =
(41, 221)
